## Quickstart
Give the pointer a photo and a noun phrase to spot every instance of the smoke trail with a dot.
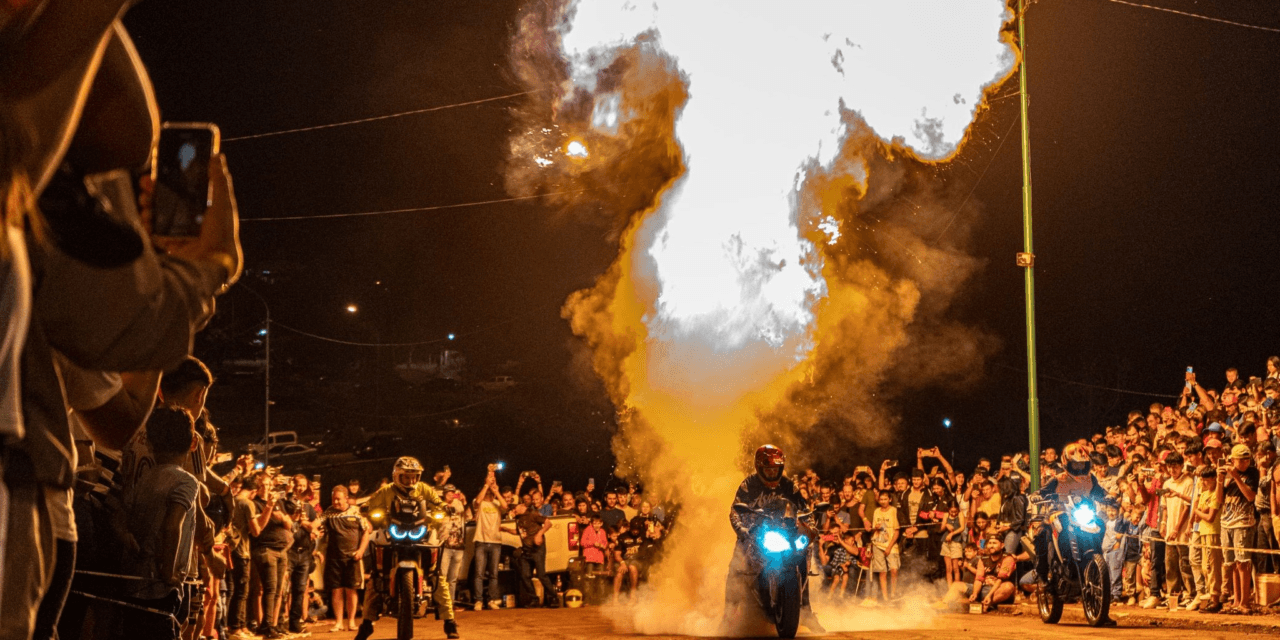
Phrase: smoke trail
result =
(767, 172)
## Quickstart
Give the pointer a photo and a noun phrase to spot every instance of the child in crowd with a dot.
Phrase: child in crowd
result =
(884, 541)
(952, 546)
(839, 561)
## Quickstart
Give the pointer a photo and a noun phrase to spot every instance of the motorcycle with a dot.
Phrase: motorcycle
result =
(1077, 570)
(406, 561)
(778, 556)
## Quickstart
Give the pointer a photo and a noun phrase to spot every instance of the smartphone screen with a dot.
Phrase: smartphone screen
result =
(182, 178)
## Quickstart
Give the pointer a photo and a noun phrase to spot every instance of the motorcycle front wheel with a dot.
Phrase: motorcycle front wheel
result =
(405, 591)
(1095, 591)
(1050, 603)
(788, 603)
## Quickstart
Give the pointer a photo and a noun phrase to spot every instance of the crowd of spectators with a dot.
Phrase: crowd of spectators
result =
(1193, 524)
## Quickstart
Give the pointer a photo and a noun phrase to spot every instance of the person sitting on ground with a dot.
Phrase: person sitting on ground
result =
(627, 560)
(994, 584)
(840, 561)
(968, 576)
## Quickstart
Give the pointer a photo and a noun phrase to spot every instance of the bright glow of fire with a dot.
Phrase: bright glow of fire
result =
(723, 297)
(575, 149)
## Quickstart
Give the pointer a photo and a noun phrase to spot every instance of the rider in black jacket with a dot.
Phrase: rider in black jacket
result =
(767, 483)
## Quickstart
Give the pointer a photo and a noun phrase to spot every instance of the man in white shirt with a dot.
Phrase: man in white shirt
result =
(490, 508)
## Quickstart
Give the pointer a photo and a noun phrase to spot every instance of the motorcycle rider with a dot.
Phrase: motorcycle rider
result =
(1076, 479)
(406, 482)
(767, 483)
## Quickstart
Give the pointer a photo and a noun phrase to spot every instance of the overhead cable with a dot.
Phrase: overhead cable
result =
(458, 205)
(1196, 15)
(375, 118)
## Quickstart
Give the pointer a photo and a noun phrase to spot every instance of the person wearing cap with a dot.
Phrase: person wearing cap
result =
(1213, 452)
(1237, 490)
(1207, 513)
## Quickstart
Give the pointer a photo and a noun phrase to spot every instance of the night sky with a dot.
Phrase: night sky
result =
(1152, 140)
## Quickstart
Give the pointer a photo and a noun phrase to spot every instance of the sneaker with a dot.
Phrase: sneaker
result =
(1213, 606)
(479, 606)
(495, 604)
(366, 630)
(1131, 601)
(451, 629)
(1151, 602)
(244, 634)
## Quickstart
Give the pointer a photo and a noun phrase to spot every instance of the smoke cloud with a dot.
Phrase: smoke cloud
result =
(769, 173)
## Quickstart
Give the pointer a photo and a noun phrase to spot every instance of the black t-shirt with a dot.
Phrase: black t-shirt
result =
(303, 543)
(650, 549)
(629, 547)
(275, 535)
(611, 517)
(342, 531)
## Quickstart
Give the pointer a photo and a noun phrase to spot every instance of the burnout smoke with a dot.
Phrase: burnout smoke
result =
(765, 168)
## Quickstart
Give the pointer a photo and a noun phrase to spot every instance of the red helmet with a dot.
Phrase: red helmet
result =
(769, 463)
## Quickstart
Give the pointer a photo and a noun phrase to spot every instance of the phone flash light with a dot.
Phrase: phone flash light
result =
(501, 466)
(259, 465)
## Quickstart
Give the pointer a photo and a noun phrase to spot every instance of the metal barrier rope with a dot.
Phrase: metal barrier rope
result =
(1199, 545)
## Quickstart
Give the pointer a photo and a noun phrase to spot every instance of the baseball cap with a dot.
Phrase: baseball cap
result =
(1213, 443)
(1216, 427)
(1241, 452)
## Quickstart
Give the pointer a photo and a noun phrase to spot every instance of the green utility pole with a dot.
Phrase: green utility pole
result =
(1027, 260)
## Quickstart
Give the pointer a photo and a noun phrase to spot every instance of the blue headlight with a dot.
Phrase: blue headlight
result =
(1083, 515)
(802, 542)
(773, 542)
(417, 533)
(397, 532)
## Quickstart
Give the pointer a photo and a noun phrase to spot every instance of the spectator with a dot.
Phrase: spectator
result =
(489, 508)
(1237, 489)
(1176, 496)
(952, 543)
(345, 535)
(453, 537)
(162, 512)
(1207, 513)
(626, 558)
(612, 514)
(839, 561)
(990, 501)
(1264, 458)
(595, 544)
(303, 547)
(994, 584)
(272, 531)
(884, 541)
(532, 527)
(239, 534)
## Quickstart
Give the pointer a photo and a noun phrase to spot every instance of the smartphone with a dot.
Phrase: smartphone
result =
(591, 482)
(258, 466)
(315, 478)
(180, 169)
(1268, 402)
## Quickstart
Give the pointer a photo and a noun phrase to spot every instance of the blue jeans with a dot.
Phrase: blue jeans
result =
(487, 554)
(1012, 541)
(1115, 562)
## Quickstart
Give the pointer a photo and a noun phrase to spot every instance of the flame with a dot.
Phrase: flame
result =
(742, 301)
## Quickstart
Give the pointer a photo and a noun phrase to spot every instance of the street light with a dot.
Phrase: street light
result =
(266, 404)
(351, 308)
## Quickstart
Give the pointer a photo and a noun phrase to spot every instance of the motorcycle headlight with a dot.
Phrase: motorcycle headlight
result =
(418, 532)
(802, 542)
(1083, 515)
(397, 533)
(773, 542)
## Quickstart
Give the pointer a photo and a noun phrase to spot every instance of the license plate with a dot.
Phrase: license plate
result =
(407, 564)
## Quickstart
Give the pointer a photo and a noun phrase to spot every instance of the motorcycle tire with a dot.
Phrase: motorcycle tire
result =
(405, 590)
(788, 604)
(1050, 604)
(1095, 591)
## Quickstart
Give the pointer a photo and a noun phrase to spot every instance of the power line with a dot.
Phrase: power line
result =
(979, 181)
(1196, 15)
(1090, 386)
(458, 205)
(376, 118)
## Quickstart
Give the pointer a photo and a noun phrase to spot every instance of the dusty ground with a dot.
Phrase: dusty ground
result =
(592, 623)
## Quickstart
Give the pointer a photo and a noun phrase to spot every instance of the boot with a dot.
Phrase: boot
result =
(451, 629)
(366, 630)
(808, 619)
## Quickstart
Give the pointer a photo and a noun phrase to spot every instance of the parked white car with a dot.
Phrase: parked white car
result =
(497, 383)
